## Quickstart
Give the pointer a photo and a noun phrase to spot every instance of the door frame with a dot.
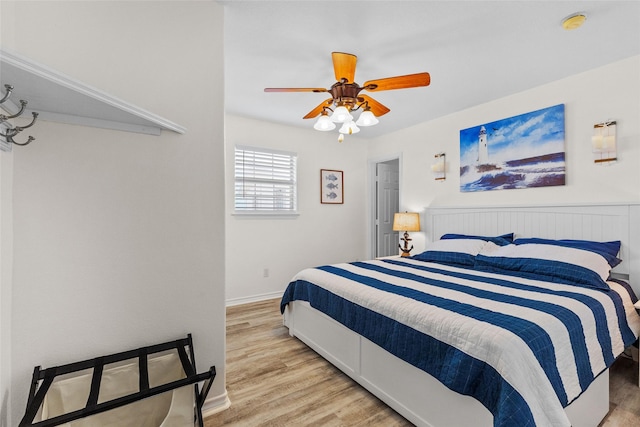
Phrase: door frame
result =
(372, 196)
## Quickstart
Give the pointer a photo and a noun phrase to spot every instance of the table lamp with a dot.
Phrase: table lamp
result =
(406, 221)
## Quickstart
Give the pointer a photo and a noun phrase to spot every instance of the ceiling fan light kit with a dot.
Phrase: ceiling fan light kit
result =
(346, 97)
(341, 115)
(349, 128)
(367, 118)
(324, 123)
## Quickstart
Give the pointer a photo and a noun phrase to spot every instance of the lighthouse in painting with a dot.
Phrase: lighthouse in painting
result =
(483, 152)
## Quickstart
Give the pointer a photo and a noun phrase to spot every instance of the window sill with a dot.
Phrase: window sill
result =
(267, 214)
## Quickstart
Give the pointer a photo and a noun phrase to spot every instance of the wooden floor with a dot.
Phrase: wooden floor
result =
(276, 380)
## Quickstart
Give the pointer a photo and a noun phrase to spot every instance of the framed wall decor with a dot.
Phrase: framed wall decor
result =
(518, 152)
(331, 186)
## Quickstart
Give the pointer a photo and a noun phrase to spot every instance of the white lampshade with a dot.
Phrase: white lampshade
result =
(341, 115)
(349, 128)
(604, 143)
(367, 119)
(609, 143)
(437, 167)
(597, 142)
(324, 123)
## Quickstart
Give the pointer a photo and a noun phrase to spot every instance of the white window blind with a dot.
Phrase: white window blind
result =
(265, 180)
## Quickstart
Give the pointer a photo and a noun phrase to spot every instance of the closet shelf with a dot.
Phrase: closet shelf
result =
(60, 98)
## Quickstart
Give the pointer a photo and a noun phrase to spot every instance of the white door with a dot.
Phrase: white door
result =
(387, 203)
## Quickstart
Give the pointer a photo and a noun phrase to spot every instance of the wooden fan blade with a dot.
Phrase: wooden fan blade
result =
(344, 65)
(295, 89)
(316, 111)
(399, 82)
(376, 108)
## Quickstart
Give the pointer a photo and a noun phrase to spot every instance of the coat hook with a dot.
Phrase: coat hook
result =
(21, 128)
(10, 129)
(9, 88)
(23, 105)
(22, 144)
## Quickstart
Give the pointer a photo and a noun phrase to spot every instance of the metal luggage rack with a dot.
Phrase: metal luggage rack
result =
(43, 378)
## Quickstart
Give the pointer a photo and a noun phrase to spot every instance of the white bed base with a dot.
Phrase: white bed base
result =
(411, 392)
(416, 395)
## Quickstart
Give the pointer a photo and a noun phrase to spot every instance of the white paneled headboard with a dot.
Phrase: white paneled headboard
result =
(588, 222)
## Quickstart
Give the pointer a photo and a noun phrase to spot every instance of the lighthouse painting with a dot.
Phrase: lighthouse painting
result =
(518, 152)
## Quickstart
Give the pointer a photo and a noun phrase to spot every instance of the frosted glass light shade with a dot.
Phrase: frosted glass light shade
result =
(324, 124)
(597, 142)
(349, 128)
(609, 143)
(437, 167)
(341, 115)
(367, 119)
(604, 143)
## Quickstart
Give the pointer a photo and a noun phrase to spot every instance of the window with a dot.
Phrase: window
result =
(265, 181)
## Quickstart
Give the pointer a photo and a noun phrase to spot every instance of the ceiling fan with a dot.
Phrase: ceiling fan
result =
(346, 96)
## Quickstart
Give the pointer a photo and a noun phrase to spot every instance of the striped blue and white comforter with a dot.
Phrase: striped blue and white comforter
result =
(524, 348)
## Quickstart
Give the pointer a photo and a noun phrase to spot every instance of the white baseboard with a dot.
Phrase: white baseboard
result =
(216, 404)
(254, 298)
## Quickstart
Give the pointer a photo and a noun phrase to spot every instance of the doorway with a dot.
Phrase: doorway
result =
(386, 202)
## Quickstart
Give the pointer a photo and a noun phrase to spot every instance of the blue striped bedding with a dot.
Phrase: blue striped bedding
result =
(522, 347)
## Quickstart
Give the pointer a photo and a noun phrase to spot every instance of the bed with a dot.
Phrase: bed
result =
(470, 332)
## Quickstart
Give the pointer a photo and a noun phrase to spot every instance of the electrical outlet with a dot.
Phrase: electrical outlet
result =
(265, 272)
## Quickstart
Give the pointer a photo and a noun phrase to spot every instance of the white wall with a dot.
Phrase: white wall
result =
(322, 233)
(6, 271)
(610, 92)
(284, 246)
(119, 237)
(6, 247)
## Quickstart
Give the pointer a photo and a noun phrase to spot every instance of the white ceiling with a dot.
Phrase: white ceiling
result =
(475, 51)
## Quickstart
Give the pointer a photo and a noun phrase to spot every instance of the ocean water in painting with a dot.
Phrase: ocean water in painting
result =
(519, 152)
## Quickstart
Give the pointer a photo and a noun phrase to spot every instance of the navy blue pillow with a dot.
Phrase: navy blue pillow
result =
(551, 263)
(608, 250)
(456, 252)
(503, 240)
(539, 269)
(450, 258)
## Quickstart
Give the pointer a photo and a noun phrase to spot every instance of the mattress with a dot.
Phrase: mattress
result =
(524, 347)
